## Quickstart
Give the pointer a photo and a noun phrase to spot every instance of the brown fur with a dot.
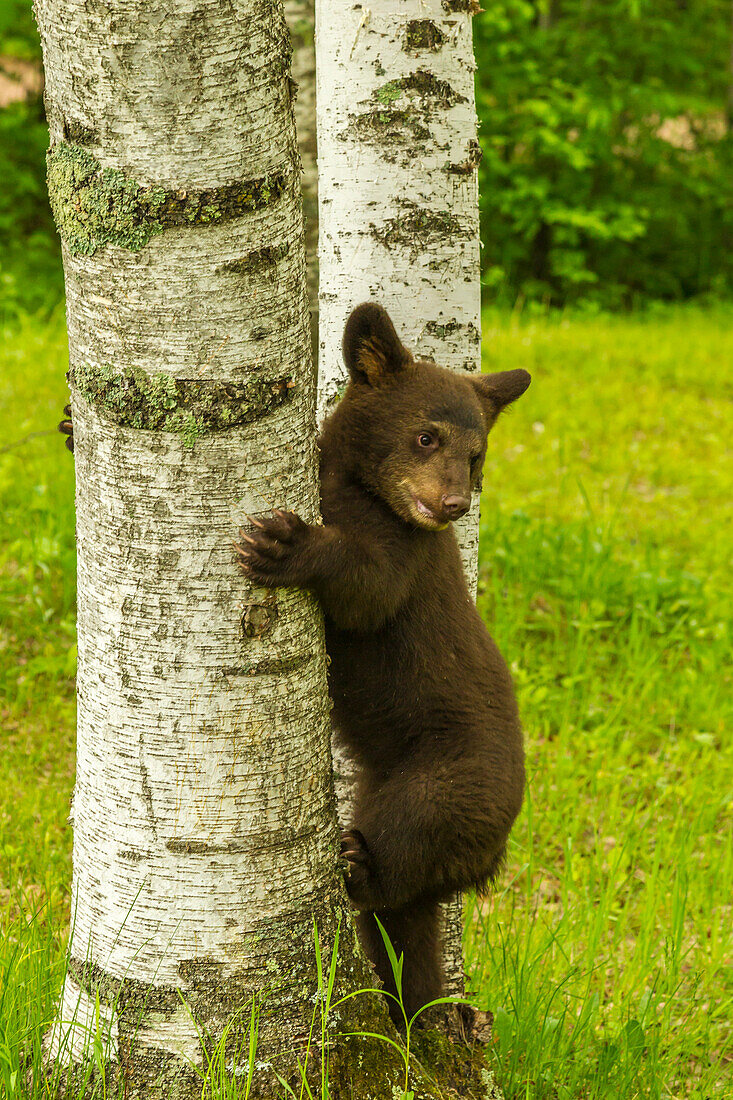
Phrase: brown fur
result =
(422, 698)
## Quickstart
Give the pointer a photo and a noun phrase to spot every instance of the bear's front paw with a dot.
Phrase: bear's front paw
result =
(358, 875)
(273, 554)
(66, 427)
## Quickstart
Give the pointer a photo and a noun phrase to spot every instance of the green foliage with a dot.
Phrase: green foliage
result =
(606, 172)
(30, 259)
(18, 33)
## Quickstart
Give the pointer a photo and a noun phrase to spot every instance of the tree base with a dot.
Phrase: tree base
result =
(448, 1061)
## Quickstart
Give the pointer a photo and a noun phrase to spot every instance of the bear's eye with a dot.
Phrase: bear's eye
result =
(425, 439)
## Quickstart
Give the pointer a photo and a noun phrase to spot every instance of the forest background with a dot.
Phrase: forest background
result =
(607, 170)
(607, 265)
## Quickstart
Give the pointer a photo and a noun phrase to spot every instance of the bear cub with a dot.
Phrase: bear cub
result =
(423, 701)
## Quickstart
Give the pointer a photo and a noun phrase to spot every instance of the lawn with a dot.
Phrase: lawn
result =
(605, 578)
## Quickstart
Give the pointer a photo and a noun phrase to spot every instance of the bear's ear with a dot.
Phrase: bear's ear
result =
(502, 388)
(372, 349)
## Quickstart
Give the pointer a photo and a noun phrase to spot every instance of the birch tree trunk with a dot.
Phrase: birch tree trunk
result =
(398, 210)
(205, 836)
(300, 16)
(204, 828)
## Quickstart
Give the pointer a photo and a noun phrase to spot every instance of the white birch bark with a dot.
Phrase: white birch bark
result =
(300, 16)
(204, 830)
(398, 210)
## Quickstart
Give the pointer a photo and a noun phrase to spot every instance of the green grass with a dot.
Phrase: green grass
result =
(606, 547)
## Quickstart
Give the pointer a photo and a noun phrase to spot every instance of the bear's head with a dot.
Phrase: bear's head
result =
(417, 433)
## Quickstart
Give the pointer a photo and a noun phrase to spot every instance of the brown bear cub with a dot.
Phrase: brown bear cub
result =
(422, 698)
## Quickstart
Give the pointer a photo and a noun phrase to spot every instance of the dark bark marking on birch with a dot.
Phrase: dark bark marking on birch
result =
(403, 126)
(450, 328)
(417, 228)
(273, 666)
(258, 619)
(95, 206)
(474, 153)
(76, 133)
(399, 111)
(468, 7)
(260, 259)
(256, 842)
(122, 993)
(148, 797)
(423, 34)
(134, 399)
(421, 83)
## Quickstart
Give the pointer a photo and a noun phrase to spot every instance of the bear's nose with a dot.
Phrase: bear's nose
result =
(455, 506)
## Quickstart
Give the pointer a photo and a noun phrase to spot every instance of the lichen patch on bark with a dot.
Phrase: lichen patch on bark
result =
(132, 398)
(95, 206)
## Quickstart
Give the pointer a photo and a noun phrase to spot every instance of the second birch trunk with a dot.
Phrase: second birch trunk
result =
(398, 210)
